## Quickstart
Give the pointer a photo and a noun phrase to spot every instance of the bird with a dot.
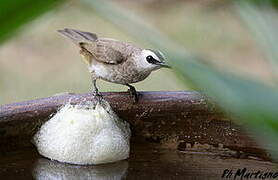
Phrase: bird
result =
(115, 61)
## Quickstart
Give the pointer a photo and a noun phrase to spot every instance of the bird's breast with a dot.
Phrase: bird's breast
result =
(121, 74)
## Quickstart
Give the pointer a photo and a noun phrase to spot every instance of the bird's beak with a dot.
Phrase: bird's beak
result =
(164, 65)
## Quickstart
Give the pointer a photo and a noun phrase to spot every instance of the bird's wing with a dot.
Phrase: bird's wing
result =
(104, 52)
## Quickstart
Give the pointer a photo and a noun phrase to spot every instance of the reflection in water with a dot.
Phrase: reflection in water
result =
(45, 169)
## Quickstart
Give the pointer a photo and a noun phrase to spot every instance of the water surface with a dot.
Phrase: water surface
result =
(144, 163)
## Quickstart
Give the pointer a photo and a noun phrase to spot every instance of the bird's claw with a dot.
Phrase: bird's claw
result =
(98, 96)
(133, 94)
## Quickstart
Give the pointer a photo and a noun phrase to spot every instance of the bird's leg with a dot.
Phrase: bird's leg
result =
(94, 87)
(133, 93)
(95, 90)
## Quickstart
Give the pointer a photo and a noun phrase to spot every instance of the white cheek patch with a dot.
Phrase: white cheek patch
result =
(147, 52)
(143, 63)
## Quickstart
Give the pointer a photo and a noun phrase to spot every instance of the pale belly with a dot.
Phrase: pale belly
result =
(119, 75)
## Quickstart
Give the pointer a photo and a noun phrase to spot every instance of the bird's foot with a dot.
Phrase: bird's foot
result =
(98, 96)
(133, 94)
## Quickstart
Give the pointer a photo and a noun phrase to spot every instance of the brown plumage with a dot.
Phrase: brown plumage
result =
(113, 60)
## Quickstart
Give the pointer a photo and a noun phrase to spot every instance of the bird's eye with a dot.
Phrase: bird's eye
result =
(151, 60)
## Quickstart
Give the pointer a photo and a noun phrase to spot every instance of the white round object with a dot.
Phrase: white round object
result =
(80, 135)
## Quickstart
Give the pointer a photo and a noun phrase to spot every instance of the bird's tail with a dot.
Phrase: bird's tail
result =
(78, 36)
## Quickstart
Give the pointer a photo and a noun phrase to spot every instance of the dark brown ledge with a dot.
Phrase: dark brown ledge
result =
(171, 119)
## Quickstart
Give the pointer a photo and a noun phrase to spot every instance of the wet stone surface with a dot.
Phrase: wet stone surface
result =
(145, 162)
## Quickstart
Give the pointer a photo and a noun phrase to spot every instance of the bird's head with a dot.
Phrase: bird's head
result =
(152, 60)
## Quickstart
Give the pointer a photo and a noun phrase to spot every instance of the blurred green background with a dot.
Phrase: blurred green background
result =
(38, 62)
(226, 49)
